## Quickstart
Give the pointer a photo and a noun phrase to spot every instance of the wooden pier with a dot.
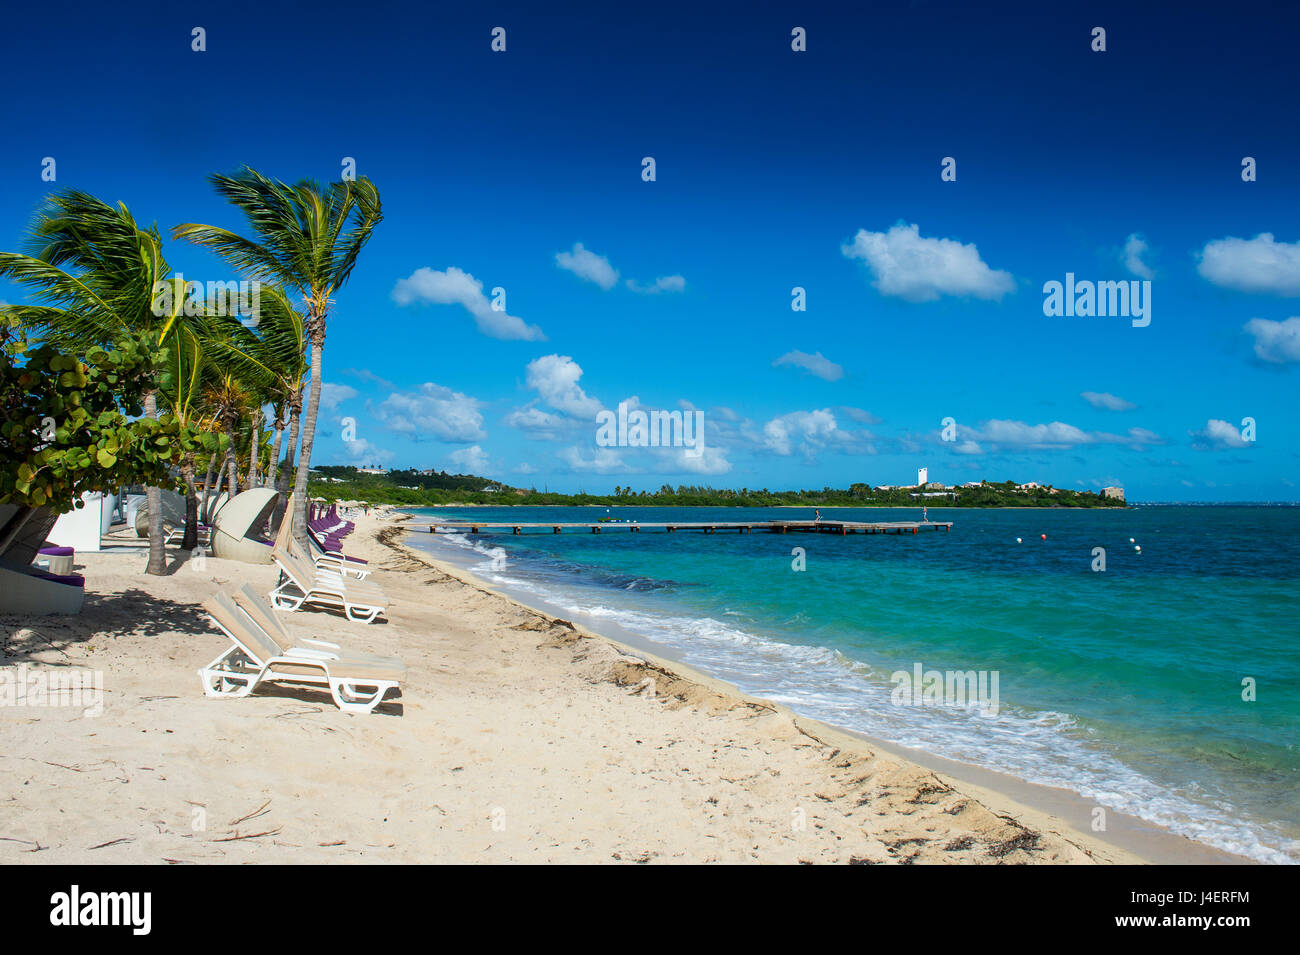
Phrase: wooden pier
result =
(841, 528)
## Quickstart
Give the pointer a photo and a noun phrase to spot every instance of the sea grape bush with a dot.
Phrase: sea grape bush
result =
(72, 426)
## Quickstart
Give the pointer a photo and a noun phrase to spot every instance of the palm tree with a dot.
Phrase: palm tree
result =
(96, 273)
(276, 356)
(181, 392)
(228, 398)
(308, 237)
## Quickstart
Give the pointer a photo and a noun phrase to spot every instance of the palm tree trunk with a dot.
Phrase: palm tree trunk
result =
(273, 473)
(191, 538)
(232, 465)
(295, 416)
(207, 480)
(254, 450)
(308, 435)
(153, 500)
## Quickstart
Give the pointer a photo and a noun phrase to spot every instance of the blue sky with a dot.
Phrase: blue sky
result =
(774, 169)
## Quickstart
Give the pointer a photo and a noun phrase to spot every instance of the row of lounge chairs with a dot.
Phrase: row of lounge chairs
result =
(264, 650)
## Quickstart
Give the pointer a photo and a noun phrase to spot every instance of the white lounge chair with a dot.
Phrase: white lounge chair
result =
(256, 606)
(303, 585)
(357, 684)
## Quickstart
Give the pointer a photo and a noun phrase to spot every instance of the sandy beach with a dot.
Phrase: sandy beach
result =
(518, 737)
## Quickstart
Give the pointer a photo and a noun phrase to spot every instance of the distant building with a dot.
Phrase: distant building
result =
(1028, 486)
(922, 477)
(1116, 492)
(372, 470)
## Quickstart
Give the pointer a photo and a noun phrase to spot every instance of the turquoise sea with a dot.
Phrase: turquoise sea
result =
(1124, 685)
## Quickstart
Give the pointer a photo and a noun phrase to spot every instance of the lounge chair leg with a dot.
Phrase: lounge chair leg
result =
(361, 617)
(217, 682)
(283, 601)
(349, 699)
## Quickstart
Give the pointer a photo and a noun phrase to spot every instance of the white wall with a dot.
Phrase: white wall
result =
(80, 529)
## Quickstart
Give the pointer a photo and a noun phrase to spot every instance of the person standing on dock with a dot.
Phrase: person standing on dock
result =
(817, 514)
(924, 512)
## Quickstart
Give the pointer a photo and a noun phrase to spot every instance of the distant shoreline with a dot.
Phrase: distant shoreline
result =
(800, 507)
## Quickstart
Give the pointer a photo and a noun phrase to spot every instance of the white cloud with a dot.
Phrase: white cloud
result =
(806, 432)
(1055, 435)
(603, 461)
(588, 265)
(331, 395)
(860, 415)
(815, 364)
(555, 379)
(665, 283)
(919, 269)
(710, 461)
(454, 287)
(1134, 248)
(471, 460)
(362, 452)
(1253, 265)
(1275, 342)
(537, 423)
(1218, 434)
(365, 374)
(433, 410)
(1107, 401)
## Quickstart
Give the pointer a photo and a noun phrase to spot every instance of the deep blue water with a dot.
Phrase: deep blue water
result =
(1125, 685)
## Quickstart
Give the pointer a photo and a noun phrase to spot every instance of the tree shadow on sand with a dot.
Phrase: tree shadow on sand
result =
(132, 611)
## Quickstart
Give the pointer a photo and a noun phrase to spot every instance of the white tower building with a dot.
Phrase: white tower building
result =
(922, 477)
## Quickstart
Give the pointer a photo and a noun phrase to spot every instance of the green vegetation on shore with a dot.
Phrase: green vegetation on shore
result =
(415, 489)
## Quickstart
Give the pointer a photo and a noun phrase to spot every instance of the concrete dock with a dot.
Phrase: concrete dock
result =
(742, 527)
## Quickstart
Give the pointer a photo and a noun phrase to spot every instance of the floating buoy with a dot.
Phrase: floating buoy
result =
(1019, 541)
(1137, 548)
(1043, 536)
(1132, 541)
